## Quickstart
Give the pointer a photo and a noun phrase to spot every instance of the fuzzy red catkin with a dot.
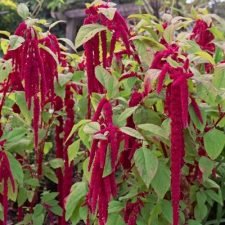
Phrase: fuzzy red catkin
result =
(177, 148)
(196, 109)
(104, 48)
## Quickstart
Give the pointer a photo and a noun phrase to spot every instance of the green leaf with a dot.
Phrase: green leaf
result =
(214, 142)
(109, 82)
(200, 211)
(149, 41)
(115, 219)
(131, 132)
(57, 210)
(22, 196)
(161, 181)
(23, 10)
(127, 113)
(108, 165)
(21, 102)
(64, 78)
(147, 164)
(16, 168)
(76, 127)
(48, 146)
(206, 166)
(76, 196)
(194, 222)
(73, 150)
(169, 33)
(109, 13)
(39, 215)
(5, 69)
(87, 32)
(49, 196)
(115, 207)
(217, 197)
(219, 76)
(56, 23)
(15, 42)
(56, 163)
(143, 116)
(68, 42)
(91, 128)
(50, 174)
(206, 56)
(167, 210)
(154, 130)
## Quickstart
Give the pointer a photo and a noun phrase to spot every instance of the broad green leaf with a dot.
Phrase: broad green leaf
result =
(217, 197)
(169, 33)
(76, 127)
(108, 81)
(57, 210)
(56, 163)
(48, 146)
(64, 78)
(91, 128)
(39, 215)
(127, 113)
(48, 196)
(149, 41)
(115, 219)
(87, 32)
(76, 196)
(23, 10)
(33, 182)
(50, 174)
(15, 42)
(22, 196)
(194, 222)
(73, 150)
(200, 211)
(161, 181)
(147, 164)
(167, 210)
(115, 206)
(206, 56)
(109, 13)
(131, 132)
(21, 102)
(219, 76)
(144, 115)
(5, 69)
(154, 130)
(214, 142)
(16, 168)
(206, 166)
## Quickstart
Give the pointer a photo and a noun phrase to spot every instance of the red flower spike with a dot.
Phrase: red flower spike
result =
(177, 148)
(196, 109)
(104, 48)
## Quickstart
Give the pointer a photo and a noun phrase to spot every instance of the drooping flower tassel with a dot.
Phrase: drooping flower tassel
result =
(177, 148)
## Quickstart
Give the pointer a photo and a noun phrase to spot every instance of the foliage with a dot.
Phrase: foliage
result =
(9, 14)
(131, 131)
